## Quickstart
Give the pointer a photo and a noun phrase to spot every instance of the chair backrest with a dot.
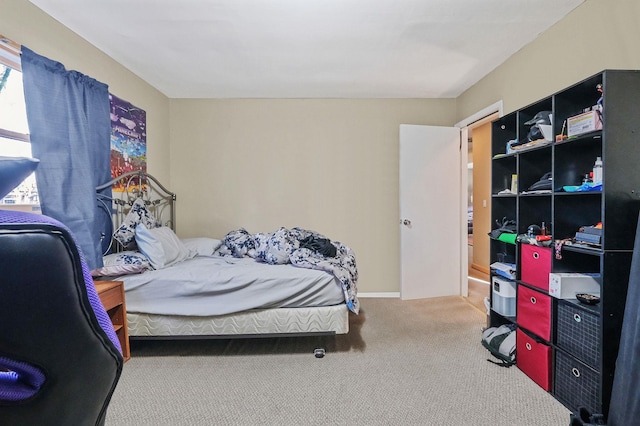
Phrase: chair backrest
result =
(60, 359)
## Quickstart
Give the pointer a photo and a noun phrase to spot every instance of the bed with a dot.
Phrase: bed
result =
(280, 283)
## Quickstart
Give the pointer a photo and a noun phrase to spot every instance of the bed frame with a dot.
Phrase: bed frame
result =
(125, 189)
(161, 202)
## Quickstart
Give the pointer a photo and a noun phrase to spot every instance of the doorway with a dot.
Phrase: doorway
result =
(479, 210)
(458, 227)
(477, 188)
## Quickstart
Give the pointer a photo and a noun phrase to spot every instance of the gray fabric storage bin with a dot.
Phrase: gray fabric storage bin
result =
(578, 332)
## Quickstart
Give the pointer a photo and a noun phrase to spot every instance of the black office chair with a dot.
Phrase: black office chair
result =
(60, 359)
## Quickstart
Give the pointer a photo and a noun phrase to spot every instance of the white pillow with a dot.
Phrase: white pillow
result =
(202, 246)
(161, 245)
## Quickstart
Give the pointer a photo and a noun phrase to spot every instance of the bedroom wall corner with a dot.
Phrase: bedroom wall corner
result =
(595, 36)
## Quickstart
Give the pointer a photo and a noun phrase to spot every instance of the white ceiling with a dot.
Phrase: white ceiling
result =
(309, 48)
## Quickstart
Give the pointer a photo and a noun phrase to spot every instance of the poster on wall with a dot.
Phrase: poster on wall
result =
(128, 138)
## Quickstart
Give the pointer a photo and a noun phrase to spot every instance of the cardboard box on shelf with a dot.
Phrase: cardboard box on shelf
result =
(584, 123)
(566, 285)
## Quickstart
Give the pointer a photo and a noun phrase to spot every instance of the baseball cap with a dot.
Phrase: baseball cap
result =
(542, 117)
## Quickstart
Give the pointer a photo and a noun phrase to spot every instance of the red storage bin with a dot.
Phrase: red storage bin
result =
(534, 312)
(535, 265)
(534, 359)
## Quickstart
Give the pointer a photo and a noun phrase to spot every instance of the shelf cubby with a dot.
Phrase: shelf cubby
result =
(564, 209)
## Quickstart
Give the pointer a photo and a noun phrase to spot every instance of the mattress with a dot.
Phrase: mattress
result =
(213, 286)
(222, 296)
(264, 322)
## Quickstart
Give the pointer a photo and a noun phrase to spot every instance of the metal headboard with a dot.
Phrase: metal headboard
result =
(126, 189)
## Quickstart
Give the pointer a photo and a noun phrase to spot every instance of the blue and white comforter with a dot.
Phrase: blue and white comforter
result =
(283, 246)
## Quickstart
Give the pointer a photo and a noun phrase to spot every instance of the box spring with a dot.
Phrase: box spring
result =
(258, 322)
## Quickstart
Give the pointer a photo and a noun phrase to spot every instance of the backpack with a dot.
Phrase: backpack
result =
(544, 183)
(506, 226)
(501, 343)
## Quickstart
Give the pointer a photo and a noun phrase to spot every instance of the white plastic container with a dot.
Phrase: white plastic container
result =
(503, 296)
(597, 171)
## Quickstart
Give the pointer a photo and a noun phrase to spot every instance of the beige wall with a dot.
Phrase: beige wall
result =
(25, 24)
(328, 165)
(595, 36)
(325, 165)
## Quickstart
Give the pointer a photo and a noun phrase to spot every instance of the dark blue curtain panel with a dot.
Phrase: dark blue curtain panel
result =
(625, 395)
(70, 128)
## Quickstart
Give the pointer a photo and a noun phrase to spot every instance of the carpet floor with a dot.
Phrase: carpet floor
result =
(414, 362)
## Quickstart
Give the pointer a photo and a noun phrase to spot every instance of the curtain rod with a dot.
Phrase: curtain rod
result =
(10, 52)
(10, 44)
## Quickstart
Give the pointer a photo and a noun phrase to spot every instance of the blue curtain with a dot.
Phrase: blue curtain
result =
(625, 395)
(70, 128)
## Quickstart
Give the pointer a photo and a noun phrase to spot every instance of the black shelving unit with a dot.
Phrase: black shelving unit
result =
(579, 354)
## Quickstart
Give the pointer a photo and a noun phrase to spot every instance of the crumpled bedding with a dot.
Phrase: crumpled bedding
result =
(284, 246)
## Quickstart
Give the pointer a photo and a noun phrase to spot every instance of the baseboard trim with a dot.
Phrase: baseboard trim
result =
(390, 294)
(482, 269)
(478, 280)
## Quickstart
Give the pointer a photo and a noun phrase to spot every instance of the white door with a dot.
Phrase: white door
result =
(430, 218)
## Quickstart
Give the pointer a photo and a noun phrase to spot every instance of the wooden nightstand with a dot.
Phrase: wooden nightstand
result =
(111, 295)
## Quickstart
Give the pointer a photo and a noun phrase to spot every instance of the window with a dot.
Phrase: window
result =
(14, 130)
